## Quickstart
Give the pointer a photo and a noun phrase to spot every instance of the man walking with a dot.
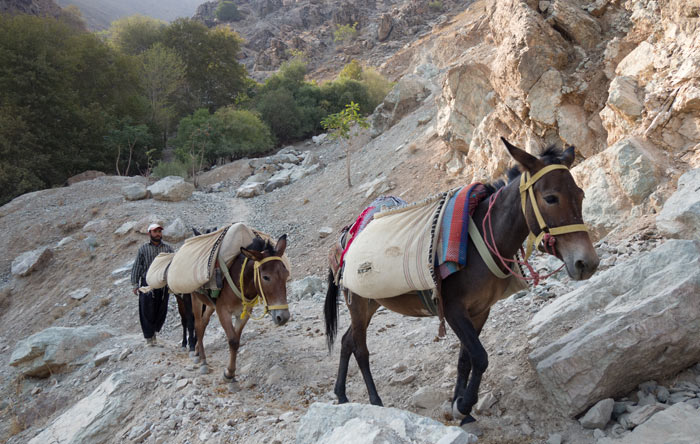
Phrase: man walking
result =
(153, 306)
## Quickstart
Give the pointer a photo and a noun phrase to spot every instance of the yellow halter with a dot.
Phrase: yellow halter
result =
(248, 304)
(526, 184)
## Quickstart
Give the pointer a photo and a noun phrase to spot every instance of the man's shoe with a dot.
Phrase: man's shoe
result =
(151, 341)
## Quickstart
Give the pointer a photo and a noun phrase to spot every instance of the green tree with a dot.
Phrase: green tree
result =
(240, 133)
(346, 125)
(162, 77)
(124, 139)
(377, 86)
(214, 76)
(345, 33)
(227, 12)
(135, 34)
(352, 70)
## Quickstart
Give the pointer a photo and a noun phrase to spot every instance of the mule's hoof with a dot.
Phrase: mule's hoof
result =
(469, 425)
(195, 359)
(203, 369)
(228, 377)
(183, 348)
(456, 414)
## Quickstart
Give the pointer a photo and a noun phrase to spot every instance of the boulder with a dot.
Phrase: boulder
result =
(95, 418)
(428, 398)
(125, 228)
(622, 96)
(680, 216)
(574, 22)
(29, 261)
(171, 189)
(361, 423)
(386, 24)
(85, 175)
(299, 172)
(634, 169)
(79, 294)
(307, 287)
(56, 349)
(678, 424)
(406, 95)
(597, 417)
(631, 323)
(176, 231)
(251, 189)
(544, 97)
(639, 63)
(280, 179)
(135, 191)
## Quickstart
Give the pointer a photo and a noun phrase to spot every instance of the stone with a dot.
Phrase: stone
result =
(306, 287)
(79, 294)
(403, 98)
(634, 169)
(576, 23)
(403, 380)
(280, 179)
(171, 189)
(182, 383)
(91, 242)
(622, 96)
(544, 97)
(572, 121)
(639, 63)
(56, 349)
(554, 438)
(275, 375)
(597, 417)
(680, 215)
(96, 226)
(386, 24)
(29, 261)
(135, 191)
(95, 418)
(642, 414)
(103, 357)
(299, 172)
(176, 231)
(361, 423)
(65, 241)
(325, 232)
(376, 187)
(427, 398)
(678, 424)
(125, 228)
(124, 353)
(485, 403)
(319, 139)
(590, 344)
(250, 190)
(85, 175)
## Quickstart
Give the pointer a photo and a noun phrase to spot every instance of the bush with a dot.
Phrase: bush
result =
(227, 12)
(345, 33)
(435, 5)
(171, 168)
(377, 86)
(352, 70)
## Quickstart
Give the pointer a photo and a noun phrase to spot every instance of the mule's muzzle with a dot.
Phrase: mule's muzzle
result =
(279, 317)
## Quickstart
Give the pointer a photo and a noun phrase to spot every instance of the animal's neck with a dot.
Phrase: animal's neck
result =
(507, 220)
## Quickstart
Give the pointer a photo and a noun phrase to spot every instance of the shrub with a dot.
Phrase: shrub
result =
(352, 70)
(227, 12)
(377, 86)
(345, 33)
(435, 5)
(171, 168)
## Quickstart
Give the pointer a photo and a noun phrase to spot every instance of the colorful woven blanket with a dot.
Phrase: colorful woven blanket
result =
(452, 244)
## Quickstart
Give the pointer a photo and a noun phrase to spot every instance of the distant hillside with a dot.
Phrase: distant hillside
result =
(100, 13)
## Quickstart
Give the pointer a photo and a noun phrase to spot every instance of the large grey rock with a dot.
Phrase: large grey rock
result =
(679, 424)
(56, 349)
(634, 169)
(306, 287)
(95, 418)
(636, 321)
(545, 96)
(143, 223)
(598, 416)
(29, 261)
(583, 29)
(171, 189)
(251, 189)
(280, 179)
(176, 231)
(406, 95)
(368, 424)
(135, 191)
(622, 96)
(680, 216)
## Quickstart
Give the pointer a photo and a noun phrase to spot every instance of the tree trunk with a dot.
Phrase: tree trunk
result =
(347, 162)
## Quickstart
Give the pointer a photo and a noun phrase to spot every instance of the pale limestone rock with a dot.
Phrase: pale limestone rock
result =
(134, 191)
(598, 416)
(623, 97)
(628, 324)
(29, 261)
(386, 24)
(325, 232)
(95, 418)
(639, 63)
(427, 398)
(634, 169)
(404, 97)
(171, 189)
(678, 424)
(544, 98)
(79, 294)
(125, 228)
(361, 423)
(680, 216)
(577, 23)
(176, 231)
(56, 349)
(250, 189)
(573, 129)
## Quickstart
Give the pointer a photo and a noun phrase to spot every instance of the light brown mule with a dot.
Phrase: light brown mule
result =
(270, 285)
(469, 293)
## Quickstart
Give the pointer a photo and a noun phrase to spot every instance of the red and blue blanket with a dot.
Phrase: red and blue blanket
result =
(452, 244)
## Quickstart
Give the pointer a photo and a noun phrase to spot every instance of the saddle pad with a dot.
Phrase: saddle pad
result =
(157, 272)
(395, 254)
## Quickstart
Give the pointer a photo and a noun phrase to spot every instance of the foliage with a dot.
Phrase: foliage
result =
(227, 12)
(377, 86)
(71, 16)
(345, 33)
(59, 88)
(435, 5)
(135, 34)
(162, 76)
(342, 125)
(227, 134)
(171, 168)
(213, 75)
(352, 71)
(126, 139)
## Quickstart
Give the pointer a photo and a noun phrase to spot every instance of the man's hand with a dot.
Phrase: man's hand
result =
(136, 291)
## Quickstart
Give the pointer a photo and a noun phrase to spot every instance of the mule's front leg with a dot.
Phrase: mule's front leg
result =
(233, 332)
(478, 357)
(346, 349)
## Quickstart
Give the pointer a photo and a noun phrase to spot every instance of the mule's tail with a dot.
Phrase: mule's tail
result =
(330, 311)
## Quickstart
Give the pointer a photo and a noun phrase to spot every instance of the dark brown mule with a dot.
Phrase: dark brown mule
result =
(259, 258)
(469, 293)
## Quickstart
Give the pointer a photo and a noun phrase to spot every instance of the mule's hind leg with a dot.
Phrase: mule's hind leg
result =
(200, 325)
(464, 366)
(189, 323)
(355, 342)
(182, 310)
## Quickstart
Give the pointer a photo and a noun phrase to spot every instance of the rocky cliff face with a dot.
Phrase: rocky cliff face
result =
(33, 7)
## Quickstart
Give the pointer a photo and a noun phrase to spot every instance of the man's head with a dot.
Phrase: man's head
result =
(155, 231)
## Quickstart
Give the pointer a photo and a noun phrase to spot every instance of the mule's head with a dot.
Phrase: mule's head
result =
(272, 276)
(559, 201)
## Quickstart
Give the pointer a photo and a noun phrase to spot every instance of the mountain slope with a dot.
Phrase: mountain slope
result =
(100, 13)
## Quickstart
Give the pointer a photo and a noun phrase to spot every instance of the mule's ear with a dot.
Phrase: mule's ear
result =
(196, 233)
(252, 255)
(281, 245)
(568, 157)
(530, 162)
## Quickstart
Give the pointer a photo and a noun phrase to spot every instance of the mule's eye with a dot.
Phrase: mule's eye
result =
(266, 278)
(551, 199)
